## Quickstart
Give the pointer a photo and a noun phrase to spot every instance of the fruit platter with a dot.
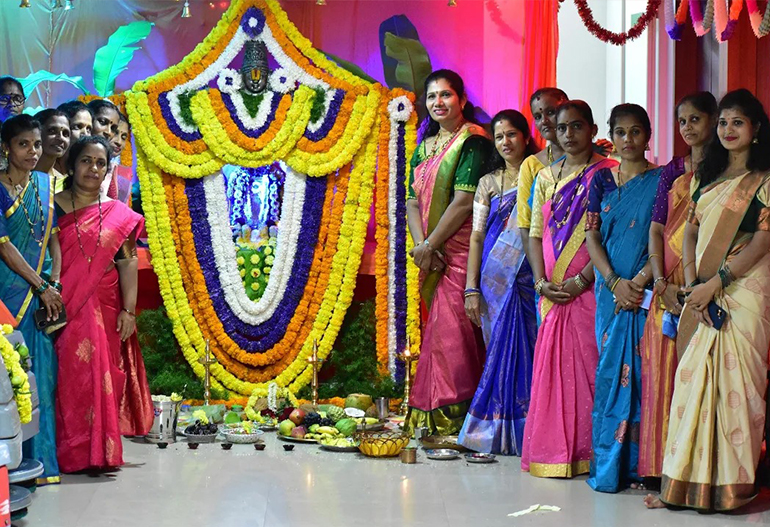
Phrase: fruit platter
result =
(312, 427)
(242, 433)
(339, 444)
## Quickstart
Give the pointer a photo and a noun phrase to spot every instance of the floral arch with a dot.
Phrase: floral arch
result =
(340, 140)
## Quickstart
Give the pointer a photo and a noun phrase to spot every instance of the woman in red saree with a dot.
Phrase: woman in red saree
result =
(103, 390)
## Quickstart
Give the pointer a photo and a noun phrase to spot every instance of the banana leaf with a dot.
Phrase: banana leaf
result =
(400, 26)
(349, 67)
(413, 63)
(112, 59)
(30, 82)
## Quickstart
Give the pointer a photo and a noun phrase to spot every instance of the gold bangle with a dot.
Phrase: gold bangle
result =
(653, 254)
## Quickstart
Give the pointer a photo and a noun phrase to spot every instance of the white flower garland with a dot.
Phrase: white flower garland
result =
(263, 112)
(396, 116)
(282, 81)
(315, 125)
(243, 307)
(202, 80)
(229, 81)
(272, 396)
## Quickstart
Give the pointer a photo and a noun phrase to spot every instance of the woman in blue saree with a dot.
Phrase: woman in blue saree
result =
(30, 263)
(499, 297)
(617, 228)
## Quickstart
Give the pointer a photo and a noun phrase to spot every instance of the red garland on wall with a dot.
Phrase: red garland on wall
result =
(610, 37)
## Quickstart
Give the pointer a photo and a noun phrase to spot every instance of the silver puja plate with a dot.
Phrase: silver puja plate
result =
(478, 457)
(443, 454)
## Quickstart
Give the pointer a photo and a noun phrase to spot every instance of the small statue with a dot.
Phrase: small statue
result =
(255, 69)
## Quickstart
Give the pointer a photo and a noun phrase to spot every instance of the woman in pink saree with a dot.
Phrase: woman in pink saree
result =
(103, 390)
(446, 168)
(557, 433)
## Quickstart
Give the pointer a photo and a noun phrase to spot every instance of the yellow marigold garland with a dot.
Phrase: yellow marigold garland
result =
(381, 205)
(21, 389)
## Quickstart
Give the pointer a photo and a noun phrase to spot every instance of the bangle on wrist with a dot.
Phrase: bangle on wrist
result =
(539, 286)
(580, 282)
(426, 243)
(56, 285)
(660, 279)
(42, 287)
(472, 291)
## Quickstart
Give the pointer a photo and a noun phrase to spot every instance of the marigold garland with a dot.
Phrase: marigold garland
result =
(611, 37)
(344, 138)
(381, 236)
(22, 392)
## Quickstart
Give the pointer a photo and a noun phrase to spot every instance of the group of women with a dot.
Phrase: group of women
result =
(68, 274)
(624, 307)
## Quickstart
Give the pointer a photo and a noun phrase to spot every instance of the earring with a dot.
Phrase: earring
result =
(647, 147)
(755, 141)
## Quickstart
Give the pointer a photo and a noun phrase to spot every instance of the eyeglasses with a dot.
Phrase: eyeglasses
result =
(12, 100)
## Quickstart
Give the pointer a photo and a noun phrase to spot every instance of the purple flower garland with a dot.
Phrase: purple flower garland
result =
(331, 117)
(399, 268)
(165, 110)
(260, 338)
(254, 134)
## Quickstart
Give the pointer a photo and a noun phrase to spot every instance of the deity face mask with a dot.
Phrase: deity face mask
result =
(255, 69)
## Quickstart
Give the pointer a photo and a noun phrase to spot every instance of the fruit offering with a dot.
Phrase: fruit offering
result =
(339, 442)
(201, 429)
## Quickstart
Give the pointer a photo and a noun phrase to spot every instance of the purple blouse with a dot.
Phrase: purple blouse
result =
(669, 174)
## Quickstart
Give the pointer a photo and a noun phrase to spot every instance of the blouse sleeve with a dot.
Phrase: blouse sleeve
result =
(763, 195)
(527, 173)
(470, 168)
(595, 197)
(667, 177)
(481, 202)
(416, 160)
(538, 199)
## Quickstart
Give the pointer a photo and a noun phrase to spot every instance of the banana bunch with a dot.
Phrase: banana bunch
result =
(323, 432)
(366, 420)
(338, 442)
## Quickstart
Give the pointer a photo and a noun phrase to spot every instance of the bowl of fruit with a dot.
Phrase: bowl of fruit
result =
(243, 433)
(201, 433)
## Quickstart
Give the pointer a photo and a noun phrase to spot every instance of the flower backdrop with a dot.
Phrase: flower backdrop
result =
(337, 138)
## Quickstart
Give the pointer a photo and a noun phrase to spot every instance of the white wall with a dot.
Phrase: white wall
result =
(602, 74)
(581, 66)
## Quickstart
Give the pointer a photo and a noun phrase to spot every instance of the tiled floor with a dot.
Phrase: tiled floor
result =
(179, 487)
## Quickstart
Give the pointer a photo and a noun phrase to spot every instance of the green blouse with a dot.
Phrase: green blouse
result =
(471, 167)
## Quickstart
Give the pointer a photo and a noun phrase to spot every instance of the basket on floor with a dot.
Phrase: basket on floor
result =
(381, 444)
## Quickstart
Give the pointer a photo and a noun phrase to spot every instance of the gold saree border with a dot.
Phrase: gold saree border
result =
(559, 470)
(704, 496)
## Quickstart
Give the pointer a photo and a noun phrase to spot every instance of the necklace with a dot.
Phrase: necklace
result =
(502, 185)
(435, 150)
(620, 176)
(77, 227)
(549, 154)
(562, 222)
(27, 215)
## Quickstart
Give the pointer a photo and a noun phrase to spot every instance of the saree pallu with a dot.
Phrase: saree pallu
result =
(495, 421)
(452, 352)
(92, 385)
(557, 432)
(659, 357)
(718, 408)
(625, 226)
(17, 295)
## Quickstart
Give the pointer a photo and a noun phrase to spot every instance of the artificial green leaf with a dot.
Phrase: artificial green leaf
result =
(349, 67)
(30, 82)
(413, 62)
(112, 59)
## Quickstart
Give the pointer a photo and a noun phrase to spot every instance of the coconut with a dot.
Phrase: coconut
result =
(359, 400)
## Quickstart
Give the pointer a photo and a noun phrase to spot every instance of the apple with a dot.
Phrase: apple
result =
(285, 427)
(297, 416)
(298, 432)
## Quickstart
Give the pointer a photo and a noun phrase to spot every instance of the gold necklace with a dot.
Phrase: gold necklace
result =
(77, 227)
(435, 150)
(620, 175)
(32, 224)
